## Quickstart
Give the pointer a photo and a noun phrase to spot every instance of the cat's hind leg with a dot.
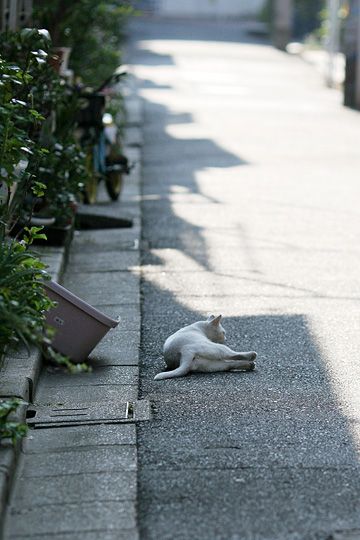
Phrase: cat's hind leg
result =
(184, 368)
(217, 357)
(247, 356)
(206, 365)
(244, 360)
(218, 351)
(247, 365)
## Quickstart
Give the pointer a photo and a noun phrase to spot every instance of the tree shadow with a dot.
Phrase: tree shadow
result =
(150, 58)
(263, 455)
(172, 165)
(266, 454)
(230, 31)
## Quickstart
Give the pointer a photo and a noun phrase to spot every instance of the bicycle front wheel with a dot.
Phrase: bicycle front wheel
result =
(114, 183)
(91, 186)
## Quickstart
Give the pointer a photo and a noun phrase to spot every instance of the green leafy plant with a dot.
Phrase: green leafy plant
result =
(18, 120)
(65, 362)
(96, 49)
(22, 297)
(8, 428)
(40, 155)
(23, 301)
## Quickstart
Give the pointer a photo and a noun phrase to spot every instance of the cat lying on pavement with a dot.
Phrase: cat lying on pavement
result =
(199, 347)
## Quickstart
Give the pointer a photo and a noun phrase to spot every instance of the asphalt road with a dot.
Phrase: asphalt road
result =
(250, 209)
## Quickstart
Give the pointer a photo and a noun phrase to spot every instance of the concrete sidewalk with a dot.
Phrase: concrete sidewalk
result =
(77, 477)
(250, 209)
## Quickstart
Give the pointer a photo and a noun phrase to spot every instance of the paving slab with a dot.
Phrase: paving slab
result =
(134, 112)
(133, 137)
(99, 241)
(126, 213)
(109, 261)
(80, 517)
(118, 348)
(99, 376)
(69, 489)
(80, 460)
(46, 440)
(103, 288)
(74, 395)
(129, 315)
(105, 534)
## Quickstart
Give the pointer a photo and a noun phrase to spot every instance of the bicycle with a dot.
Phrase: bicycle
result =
(101, 141)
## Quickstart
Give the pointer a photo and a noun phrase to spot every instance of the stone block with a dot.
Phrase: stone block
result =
(19, 373)
(134, 111)
(71, 489)
(15, 385)
(73, 518)
(133, 137)
(126, 534)
(99, 376)
(129, 317)
(102, 288)
(82, 460)
(116, 349)
(47, 440)
(108, 261)
(98, 241)
(74, 395)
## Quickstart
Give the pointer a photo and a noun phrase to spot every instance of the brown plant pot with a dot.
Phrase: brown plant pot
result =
(79, 326)
(59, 59)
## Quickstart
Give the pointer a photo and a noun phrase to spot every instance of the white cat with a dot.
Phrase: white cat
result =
(199, 347)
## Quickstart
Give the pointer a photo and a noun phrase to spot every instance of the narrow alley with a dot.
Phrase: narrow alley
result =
(250, 190)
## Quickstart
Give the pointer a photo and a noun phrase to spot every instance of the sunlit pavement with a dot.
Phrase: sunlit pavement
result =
(250, 209)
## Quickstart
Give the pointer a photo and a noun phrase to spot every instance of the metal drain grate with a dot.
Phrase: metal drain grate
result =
(114, 413)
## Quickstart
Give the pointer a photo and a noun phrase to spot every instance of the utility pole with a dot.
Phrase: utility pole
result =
(352, 53)
(333, 39)
(283, 16)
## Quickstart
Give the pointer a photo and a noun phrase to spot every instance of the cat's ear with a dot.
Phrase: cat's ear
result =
(216, 320)
(211, 318)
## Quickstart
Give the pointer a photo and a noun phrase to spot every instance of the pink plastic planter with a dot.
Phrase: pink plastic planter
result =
(79, 326)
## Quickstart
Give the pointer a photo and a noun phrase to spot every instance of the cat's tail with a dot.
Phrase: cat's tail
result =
(178, 372)
(182, 370)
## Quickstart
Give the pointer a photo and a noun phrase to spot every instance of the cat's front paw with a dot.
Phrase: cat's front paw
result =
(252, 366)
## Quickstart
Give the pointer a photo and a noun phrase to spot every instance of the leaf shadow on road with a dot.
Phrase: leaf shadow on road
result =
(176, 162)
(269, 454)
(276, 439)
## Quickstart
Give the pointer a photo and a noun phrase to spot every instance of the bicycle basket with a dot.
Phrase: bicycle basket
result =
(91, 114)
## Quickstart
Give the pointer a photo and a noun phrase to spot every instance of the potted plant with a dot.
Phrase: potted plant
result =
(42, 164)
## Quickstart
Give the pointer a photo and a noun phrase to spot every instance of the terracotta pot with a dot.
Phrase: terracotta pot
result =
(79, 326)
(59, 59)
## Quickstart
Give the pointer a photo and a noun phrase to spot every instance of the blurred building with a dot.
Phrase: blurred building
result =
(352, 52)
(204, 8)
(14, 14)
